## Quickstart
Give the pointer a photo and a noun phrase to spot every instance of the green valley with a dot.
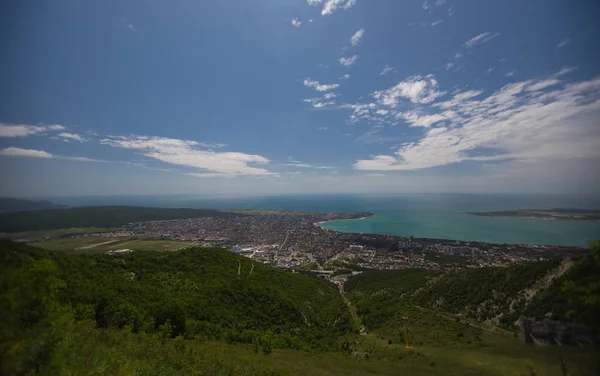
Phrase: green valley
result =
(207, 311)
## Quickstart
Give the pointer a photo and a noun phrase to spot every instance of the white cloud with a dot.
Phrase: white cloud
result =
(296, 22)
(348, 61)
(449, 66)
(429, 5)
(330, 6)
(18, 152)
(543, 84)
(306, 165)
(481, 38)
(376, 175)
(565, 70)
(79, 159)
(319, 102)
(186, 153)
(357, 37)
(131, 27)
(509, 74)
(22, 130)
(322, 128)
(435, 23)
(387, 69)
(211, 175)
(345, 77)
(415, 119)
(71, 136)
(318, 86)
(563, 43)
(532, 121)
(324, 101)
(416, 88)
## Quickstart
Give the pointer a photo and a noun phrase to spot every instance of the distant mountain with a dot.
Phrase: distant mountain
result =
(9, 205)
(98, 216)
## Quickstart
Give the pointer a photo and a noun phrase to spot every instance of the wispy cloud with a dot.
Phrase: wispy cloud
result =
(306, 165)
(71, 136)
(318, 86)
(480, 39)
(331, 6)
(131, 27)
(187, 153)
(18, 152)
(296, 22)
(435, 23)
(387, 69)
(416, 88)
(357, 37)
(348, 61)
(32, 153)
(430, 4)
(22, 130)
(528, 121)
(563, 43)
(345, 77)
(321, 102)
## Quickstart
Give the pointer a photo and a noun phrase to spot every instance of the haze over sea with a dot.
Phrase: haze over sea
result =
(439, 216)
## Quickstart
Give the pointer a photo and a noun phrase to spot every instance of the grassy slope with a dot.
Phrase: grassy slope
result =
(96, 216)
(200, 292)
(455, 343)
(439, 346)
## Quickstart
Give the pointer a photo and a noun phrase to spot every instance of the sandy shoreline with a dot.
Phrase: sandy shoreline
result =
(341, 219)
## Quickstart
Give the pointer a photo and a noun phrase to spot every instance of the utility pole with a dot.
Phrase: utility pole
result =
(239, 267)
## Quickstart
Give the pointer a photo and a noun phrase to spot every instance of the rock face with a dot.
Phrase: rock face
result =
(551, 332)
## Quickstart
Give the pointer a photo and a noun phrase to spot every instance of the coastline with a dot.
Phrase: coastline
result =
(532, 217)
(333, 220)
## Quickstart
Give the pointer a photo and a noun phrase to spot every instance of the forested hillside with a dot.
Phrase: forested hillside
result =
(191, 313)
(564, 289)
(97, 216)
(486, 294)
(195, 293)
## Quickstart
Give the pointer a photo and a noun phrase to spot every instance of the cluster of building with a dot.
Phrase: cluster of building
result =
(460, 250)
(295, 240)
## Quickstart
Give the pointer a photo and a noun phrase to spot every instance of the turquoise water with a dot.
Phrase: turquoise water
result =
(422, 215)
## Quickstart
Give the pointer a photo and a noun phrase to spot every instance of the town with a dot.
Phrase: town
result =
(294, 240)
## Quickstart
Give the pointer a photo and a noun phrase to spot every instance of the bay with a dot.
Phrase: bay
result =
(439, 216)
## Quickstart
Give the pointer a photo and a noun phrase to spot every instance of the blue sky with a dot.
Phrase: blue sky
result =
(286, 96)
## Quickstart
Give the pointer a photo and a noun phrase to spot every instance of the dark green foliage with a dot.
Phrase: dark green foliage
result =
(383, 301)
(194, 294)
(397, 281)
(575, 296)
(484, 293)
(97, 216)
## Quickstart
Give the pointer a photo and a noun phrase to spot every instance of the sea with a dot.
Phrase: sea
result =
(439, 216)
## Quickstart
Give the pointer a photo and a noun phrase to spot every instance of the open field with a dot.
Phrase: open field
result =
(57, 233)
(71, 244)
(150, 245)
(102, 244)
(503, 356)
